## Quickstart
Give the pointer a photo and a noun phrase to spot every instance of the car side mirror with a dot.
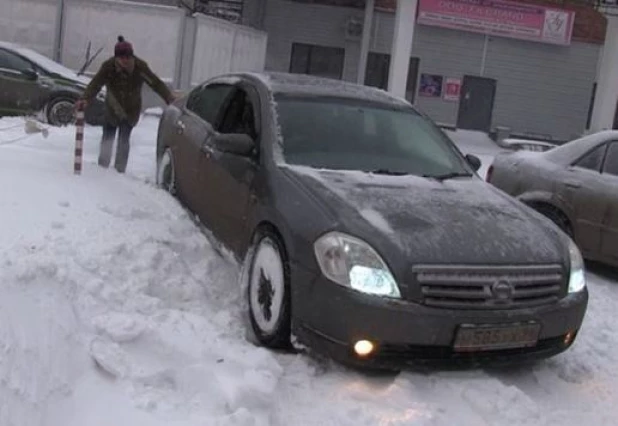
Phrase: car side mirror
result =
(234, 143)
(30, 74)
(474, 161)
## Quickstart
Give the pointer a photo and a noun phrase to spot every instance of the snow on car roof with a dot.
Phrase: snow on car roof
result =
(302, 84)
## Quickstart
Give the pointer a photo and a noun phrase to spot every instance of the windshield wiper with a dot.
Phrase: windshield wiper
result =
(450, 175)
(388, 172)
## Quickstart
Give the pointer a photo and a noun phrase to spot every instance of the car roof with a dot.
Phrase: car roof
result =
(572, 150)
(8, 45)
(308, 85)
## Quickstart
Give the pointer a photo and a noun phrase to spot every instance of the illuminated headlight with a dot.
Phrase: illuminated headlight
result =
(577, 278)
(352, 263)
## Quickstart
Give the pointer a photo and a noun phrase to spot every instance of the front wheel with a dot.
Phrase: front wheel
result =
(269, 291)
(166, 174)
(61, 111)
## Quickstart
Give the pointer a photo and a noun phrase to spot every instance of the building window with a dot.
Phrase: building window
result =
(376, 74)
(320, 61)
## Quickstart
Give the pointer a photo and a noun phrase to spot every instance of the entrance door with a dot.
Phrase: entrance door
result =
(476, 104)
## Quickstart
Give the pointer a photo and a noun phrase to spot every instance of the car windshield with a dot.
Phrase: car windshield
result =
(342, 134)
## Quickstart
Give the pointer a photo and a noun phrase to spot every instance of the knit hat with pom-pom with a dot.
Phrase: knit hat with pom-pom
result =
(123, 48)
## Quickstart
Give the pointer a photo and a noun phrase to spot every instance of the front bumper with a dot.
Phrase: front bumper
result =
(330, 319)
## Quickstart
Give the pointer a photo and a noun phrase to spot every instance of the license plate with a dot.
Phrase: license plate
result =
(494, 337)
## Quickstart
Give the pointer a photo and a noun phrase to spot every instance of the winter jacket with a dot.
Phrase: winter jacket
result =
(124, 90)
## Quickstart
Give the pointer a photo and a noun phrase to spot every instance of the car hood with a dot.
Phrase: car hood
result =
(465, 221)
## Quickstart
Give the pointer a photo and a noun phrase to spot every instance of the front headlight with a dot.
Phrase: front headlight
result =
(577, 278)
(352, 263)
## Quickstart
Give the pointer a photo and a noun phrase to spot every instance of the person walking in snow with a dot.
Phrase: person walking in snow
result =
(123, 75)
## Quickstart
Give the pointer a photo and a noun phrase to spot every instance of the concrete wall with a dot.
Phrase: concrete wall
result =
(154, 31)
(223, 47)
(29, 23)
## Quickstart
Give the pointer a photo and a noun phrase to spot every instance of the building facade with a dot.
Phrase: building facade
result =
(460, 78)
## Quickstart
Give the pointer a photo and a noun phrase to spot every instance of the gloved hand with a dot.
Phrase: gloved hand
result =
(81, 104)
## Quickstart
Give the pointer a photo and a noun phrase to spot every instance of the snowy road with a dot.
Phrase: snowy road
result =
(115, 310)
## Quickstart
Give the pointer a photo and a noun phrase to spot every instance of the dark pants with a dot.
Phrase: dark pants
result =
(107, 143)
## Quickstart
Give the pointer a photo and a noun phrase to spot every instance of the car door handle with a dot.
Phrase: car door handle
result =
(207, 149)
(573, 185)
(180, 127)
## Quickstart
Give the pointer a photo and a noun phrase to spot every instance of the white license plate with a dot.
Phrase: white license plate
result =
(494, 337)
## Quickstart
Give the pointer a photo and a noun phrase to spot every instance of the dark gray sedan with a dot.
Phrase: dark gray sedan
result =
(575, 185)
(364, 232)
(31, 83)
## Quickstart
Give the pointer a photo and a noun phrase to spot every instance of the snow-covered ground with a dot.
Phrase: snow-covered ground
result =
(115, 310)
(477, 143)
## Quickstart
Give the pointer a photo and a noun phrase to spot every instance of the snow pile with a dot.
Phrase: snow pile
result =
(116, 310)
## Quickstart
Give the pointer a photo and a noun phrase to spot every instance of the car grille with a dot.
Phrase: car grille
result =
(489, 287)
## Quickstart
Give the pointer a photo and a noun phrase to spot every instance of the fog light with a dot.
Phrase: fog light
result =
(363, 347)
(568, 338)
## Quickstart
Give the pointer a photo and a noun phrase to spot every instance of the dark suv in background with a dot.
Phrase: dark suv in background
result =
(31, 84)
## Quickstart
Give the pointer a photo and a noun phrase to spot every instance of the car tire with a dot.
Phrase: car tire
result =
(268, 291)
(60, 111)
(166, 172)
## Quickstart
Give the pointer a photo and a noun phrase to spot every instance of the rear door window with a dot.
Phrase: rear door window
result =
(611, 160)
(593, 160)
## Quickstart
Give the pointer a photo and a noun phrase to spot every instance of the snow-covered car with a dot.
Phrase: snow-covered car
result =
(575, 185)
(365, 234)
(31, 83)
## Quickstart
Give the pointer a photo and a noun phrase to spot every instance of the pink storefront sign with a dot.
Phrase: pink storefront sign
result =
(500, 18)
(452, 89)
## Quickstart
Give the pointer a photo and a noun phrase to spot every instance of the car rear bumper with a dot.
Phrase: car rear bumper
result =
(330, 319)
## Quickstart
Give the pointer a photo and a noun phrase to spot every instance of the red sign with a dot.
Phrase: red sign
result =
(452, 89)
(500, 18)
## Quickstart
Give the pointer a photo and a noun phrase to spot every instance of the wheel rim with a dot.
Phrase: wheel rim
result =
(166, 177)
(62, 113)
(267, 286)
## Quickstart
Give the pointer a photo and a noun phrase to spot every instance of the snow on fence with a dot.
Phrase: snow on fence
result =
(155, 32)
(29, 23)
(223, 47)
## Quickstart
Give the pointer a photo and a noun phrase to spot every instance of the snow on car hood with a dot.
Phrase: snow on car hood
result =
(455, 221)
(52, 66)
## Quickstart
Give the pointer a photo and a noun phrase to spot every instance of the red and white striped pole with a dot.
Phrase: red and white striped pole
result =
(79, 138)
